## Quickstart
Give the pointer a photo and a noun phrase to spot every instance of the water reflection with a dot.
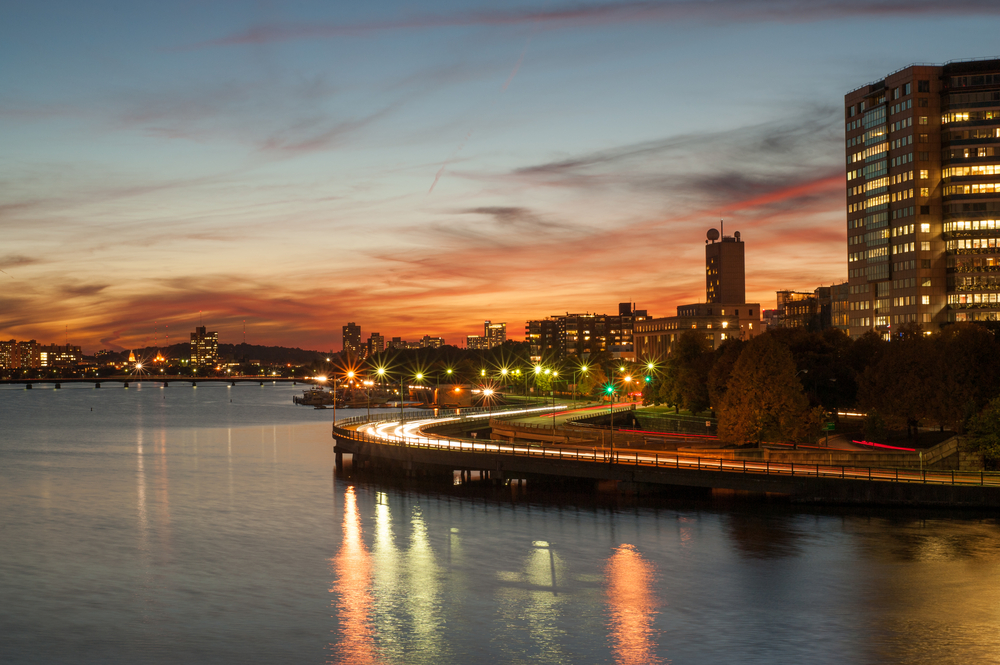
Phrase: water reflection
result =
(764, 535)
(632, 606)
(531, 608)
(353, 589)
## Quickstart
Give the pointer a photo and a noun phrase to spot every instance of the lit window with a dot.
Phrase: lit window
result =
(925, 300)
(925, 228)
(922, 120)
(925, 247)
(923, 174)
(925, 191)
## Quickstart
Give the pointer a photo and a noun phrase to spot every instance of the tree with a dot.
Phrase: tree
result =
(685, 377)
(899, 387)
(968, 369)
(764, 399)
(984, 433)
(718, 377)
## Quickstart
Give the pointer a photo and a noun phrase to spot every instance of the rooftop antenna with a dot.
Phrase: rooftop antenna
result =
(244, 332)
(722, 227)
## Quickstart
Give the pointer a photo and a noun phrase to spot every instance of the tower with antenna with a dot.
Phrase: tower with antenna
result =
(725, 267)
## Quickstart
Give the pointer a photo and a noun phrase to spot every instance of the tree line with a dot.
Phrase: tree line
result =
(781, 385)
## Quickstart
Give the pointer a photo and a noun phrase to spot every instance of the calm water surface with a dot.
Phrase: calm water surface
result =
(206, 525)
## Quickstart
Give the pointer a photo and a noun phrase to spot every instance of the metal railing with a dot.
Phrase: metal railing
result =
(688, 462)
(424, 414)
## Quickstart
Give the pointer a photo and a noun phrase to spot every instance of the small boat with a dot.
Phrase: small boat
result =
(314, 397)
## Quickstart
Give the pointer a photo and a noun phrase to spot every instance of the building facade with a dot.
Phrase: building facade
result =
(20, 355)
(582, 335)
(351, 339)
(923, 197)
(204, 347)
(494, 333)
(428, 342)
(55, 355)
(725, 268)
(376, 344)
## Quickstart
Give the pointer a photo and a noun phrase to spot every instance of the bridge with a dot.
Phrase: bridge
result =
(164, 380)
(411, 446)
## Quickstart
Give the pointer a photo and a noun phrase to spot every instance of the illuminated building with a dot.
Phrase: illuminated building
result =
(476, 342)
(494, 333)
(376, 344)
(352, 339)
(204, 347)
(19, 355)
(583, 334)
(715, 319)
(428, 342)
(59, 356)
(923, 197)
(32, 355)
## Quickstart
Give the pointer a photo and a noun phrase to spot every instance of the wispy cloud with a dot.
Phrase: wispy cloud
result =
(586, 14)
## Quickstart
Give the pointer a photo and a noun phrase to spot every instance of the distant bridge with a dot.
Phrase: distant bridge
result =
(164, 380)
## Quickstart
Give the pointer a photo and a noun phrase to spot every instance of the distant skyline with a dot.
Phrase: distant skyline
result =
(420, 168)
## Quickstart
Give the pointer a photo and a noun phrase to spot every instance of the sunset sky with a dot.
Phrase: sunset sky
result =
(418, 167)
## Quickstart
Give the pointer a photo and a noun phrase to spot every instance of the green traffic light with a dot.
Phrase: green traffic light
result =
(648, 379)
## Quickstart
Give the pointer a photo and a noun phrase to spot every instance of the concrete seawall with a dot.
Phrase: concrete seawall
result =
(403, 459)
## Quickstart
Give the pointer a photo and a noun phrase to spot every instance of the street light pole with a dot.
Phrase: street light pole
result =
(554, 375)
(611, 459)
(368, 394)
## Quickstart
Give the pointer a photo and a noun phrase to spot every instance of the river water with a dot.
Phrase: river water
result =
(195, 525)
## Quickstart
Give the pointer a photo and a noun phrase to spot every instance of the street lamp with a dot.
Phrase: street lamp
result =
(487, 395)
(610, 390)
(554, 375)
(538, 370)
(576, 386)
(368, 395)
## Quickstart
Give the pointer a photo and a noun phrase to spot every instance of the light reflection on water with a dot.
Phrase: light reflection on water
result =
(632, 605)
(353, 599)
(180, 527)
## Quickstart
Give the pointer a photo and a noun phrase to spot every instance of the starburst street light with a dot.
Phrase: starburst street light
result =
(576, 387)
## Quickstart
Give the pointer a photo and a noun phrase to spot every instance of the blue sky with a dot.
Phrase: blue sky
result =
(420, 167)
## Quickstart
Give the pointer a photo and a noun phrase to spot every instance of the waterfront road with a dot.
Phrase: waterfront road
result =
(410, 434)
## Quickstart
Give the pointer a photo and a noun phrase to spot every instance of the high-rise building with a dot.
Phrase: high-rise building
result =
(725, 268)
(352, 339)
(923, 197)
(204, 347)
(476, 342)
(19, 355)
(495, 334)
(376, 344)
(428, 342)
